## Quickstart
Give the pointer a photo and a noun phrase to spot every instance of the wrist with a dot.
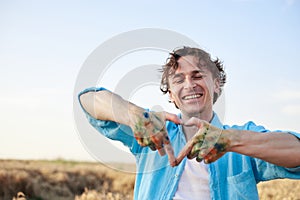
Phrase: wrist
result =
(235, 138)
(136, 114)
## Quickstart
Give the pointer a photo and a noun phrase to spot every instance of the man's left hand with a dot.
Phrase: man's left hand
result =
(208, 144)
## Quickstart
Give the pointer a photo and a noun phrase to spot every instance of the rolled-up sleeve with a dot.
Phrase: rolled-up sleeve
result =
(109, 129)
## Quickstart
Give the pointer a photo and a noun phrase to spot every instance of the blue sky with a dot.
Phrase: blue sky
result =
(43, 45)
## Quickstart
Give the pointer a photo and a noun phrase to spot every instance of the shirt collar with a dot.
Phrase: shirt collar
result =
(216, 121)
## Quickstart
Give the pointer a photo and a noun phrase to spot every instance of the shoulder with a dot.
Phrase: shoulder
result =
(91, 89)
(250, 125)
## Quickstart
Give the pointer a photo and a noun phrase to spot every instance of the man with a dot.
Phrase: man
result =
(230, 160)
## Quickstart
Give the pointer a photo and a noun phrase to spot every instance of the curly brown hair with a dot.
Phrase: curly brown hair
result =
(204, 60)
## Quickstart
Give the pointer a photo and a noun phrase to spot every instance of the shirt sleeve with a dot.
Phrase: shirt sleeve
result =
(263, 170)
(266, 170)
(295, 169)
(110, 129)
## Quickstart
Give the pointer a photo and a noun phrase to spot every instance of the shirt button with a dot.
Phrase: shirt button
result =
(176, 175)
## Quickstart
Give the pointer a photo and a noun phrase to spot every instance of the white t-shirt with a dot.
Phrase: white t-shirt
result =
(193, 183)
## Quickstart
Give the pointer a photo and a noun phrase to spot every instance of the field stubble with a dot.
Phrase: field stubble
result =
(67, 180)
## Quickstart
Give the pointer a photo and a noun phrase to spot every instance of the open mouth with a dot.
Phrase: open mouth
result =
(192, 96)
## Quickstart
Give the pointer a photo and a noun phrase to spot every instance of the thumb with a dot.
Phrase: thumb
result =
(184, 152)
(194, 121)
(172, 117)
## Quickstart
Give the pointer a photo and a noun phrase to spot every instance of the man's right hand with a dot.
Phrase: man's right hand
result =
(148, 127)
(149, 130)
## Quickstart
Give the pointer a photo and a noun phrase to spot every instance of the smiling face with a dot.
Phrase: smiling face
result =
(192, 88)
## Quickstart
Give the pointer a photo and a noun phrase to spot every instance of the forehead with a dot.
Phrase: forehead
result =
(190, 64)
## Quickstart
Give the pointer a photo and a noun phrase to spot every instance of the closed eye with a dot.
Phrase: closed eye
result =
(198, 76)
(177, 80)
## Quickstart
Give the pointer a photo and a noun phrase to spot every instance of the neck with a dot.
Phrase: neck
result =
(203, 116)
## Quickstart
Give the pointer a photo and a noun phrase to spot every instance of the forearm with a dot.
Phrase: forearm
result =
(282, 149)
(105, 105)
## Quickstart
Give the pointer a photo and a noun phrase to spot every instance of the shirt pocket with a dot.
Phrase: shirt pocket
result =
(242, 186)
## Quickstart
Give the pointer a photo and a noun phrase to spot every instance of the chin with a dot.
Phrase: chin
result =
(192, 113)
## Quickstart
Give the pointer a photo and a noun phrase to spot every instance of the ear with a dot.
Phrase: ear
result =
(171, 98)
(217, 88)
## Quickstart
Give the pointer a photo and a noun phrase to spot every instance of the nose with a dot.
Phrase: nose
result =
(189, 83)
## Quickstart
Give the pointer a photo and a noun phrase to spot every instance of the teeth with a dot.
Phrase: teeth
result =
(192, 96)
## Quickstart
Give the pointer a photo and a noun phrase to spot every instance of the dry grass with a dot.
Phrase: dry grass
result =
(283, 189)
(64, 180)
(61, 180)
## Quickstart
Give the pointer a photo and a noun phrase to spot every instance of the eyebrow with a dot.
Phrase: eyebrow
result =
(193, 73)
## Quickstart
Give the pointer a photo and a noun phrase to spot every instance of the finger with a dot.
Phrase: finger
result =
(172, 117)
(199, 159)
(140, 141)
(195, 151)
(141, 138)
(208, 155)
(194, 121)
(206, 149)
(161, 151)
(203, 153)
(160, 148)
(152, 146)
(212, 157)
(185, 151)
(157, 140)
(170, 152)
(166, 139)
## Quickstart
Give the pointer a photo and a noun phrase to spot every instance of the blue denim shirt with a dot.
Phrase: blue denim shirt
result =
(233, 176)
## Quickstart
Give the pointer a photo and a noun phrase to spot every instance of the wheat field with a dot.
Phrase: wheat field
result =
(68, 180)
